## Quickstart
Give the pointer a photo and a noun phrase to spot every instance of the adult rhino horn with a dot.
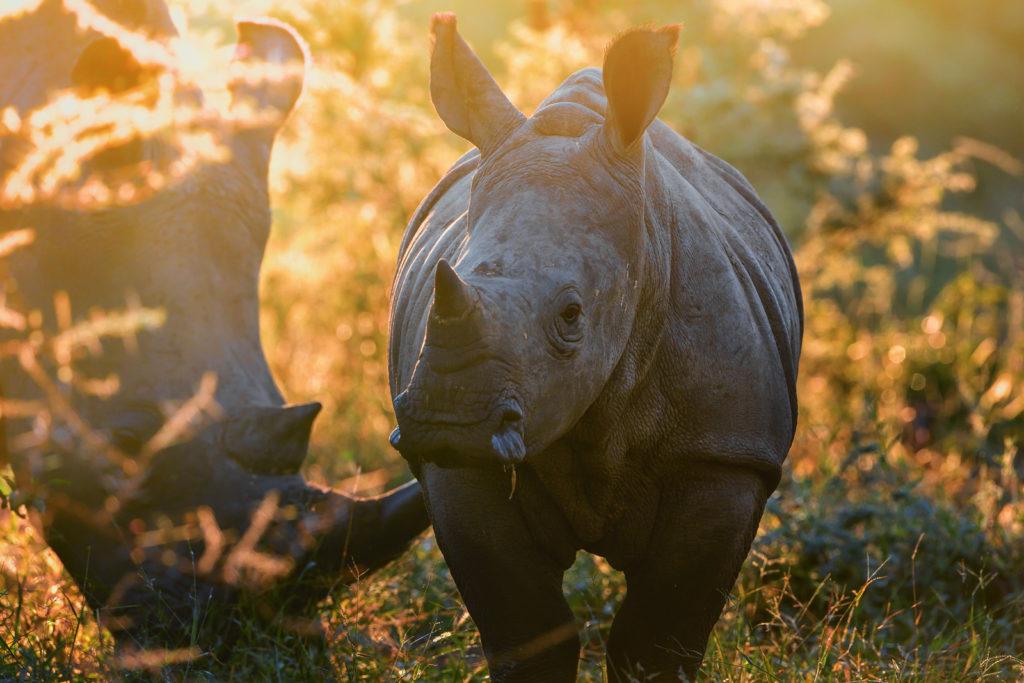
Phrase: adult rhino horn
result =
(465, 95)
(318, 535)
(453, 298)
(357, 535)
(271, 439)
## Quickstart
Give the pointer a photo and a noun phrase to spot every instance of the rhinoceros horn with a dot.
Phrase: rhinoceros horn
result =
(465, 95)
(272, 439)
(453, 298)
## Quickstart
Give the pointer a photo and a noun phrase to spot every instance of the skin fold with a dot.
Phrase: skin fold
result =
(192, 250)
(594, 304)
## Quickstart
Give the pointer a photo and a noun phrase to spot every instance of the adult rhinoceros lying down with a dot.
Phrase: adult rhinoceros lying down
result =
(611, 312)
(226, 509)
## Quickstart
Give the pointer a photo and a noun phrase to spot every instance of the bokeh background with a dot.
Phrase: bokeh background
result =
(886, 135)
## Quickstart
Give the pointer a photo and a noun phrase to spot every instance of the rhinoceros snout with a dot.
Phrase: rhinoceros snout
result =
(508, 442)
(453, 433)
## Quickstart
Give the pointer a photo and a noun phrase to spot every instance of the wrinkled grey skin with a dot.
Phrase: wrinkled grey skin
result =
(594, 300)
(193, 250)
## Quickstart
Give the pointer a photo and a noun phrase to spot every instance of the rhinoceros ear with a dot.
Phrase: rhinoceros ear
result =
(465, 95)
(271, 440)
(271, 61)
(105, 65)
(637, 76)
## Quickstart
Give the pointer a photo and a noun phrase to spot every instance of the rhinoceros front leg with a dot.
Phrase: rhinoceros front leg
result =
(707, 521)
(512, 588)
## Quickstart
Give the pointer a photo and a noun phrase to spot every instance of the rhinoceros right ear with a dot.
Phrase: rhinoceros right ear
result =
(637, 76)
(271, 61)
(105, 65)
(465, 95)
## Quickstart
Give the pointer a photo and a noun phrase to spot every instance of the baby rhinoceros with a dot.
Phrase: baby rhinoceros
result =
(603, 320)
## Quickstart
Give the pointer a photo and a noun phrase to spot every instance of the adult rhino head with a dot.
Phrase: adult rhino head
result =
(192, 249)
(543, 296)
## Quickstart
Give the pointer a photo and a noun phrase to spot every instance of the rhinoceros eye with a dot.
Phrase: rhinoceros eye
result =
(568, 323)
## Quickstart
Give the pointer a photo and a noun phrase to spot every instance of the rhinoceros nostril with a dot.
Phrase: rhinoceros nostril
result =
(508, 442)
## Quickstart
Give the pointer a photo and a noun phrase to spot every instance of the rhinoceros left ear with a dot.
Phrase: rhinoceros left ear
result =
(465, 95)
(637, 77)
(271, 61)
(105, 65)
(271, 440)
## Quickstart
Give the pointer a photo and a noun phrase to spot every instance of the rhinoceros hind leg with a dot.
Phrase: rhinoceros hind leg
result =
(707, 521)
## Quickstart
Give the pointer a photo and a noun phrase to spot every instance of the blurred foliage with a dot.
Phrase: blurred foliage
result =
(920, 61)
(894, 548)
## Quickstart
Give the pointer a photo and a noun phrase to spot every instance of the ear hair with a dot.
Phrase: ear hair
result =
(637, 77)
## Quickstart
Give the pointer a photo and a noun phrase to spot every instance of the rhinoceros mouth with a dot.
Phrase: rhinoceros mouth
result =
(498, 436)
(447, 422)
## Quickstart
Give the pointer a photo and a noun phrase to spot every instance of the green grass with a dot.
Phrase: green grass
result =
(863, 574)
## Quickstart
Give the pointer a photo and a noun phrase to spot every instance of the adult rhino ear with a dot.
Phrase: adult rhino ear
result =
(271, 440)
(272, 61)
(637, 77)
(106, 66)
(465, 95)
